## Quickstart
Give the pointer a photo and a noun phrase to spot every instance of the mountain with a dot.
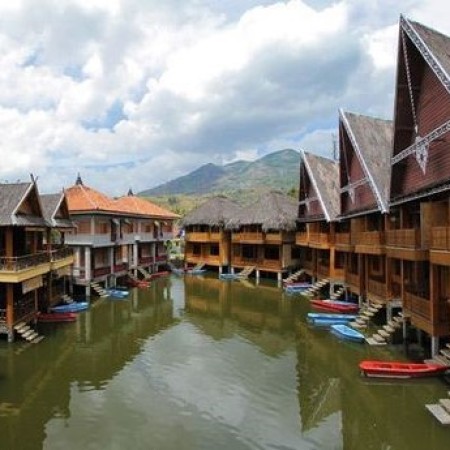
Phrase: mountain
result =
(278, 170)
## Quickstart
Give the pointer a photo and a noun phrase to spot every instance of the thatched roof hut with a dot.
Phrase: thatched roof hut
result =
(273, 211)
(217, 211)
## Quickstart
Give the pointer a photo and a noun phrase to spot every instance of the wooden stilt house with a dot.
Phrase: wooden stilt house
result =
(365, 149)
(207, 240)
(263, 235)
(419, 236)
(317, 213)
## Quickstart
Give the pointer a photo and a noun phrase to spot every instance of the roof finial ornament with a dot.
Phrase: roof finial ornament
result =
(130, 193)
(79, 181)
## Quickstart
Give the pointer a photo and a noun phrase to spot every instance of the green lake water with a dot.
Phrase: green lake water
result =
(199, 363)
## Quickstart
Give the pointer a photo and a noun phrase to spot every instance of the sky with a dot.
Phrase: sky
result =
(134, 93)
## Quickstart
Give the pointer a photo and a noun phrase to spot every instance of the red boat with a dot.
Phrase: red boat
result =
(395, 369)
(57, 317)
(332, 306)
(160, 274)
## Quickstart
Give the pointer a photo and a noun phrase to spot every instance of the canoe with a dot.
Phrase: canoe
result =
(396, 369)
(327, 322)
(297, 286)
(347, 333)
(57, 317)
(331, 316)
(71, 307)
(329, 306)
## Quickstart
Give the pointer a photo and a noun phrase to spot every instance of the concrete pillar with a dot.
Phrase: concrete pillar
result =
(154, 257)
(87, 270)
(220, 270)
(232, 269)
(404, 331)
(360, 301)
(279, 278)
(257, 274)
(92, 226)
(135, 258)
(388, 312)
(332, 286)
(434, 345)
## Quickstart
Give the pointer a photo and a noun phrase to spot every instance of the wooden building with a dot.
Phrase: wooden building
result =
(364, 158)
(28, 259)
(419, 238)
(207, 240)
(317, 213)
(115, 238)
(263, 235)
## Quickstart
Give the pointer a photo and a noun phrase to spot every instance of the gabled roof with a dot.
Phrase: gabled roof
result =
(81, 198)
(52, 204)
(371, 139)
(12, 197)
(273, 211)
(140, 206)
(217, 211)
(324, 175)
(434, 47)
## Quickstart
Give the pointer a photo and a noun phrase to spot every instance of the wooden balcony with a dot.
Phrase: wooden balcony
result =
(201, 236)
(343, 241)
(19, 268)
(256, 237)
(440, 246)
(405, 243)
(278, 237)
(210, 260)
(269, 265)
(377, 290)
(61, 257)
(301, 238)
(319, 240)
(370, 242)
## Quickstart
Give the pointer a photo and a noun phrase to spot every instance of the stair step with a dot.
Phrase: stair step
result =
(368, 313)
(362, 320)
(378, 338)
(23, 330)
(31, 335)
(360, 326)
(398, 319)
(445, 352)
(372, 309)
(384, 333)
(439, 413)
(394, 324)
(372, 341)
(445, 403)
(441, 360)
(377, 306)
(37, 339)
(389, 329)
(19, 325)
(27, 333)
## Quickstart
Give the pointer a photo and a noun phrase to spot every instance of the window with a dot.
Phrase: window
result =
(214, 250)
(196, 249)
(249, 251)
(272, 252)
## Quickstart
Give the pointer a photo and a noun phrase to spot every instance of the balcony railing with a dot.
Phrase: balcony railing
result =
(319, 238)
(377, 288)
(17, 263)
(342, 238)
(372, 238)
(417, 305)
(275, 238)
(404, 238)
(301, 238)
(440, 238)
(61, 253)
(256, 236)
(262, 263)
(198, 236)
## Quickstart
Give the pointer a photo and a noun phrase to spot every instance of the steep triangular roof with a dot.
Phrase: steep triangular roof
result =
(217, 211)
(81, 198)
(56, 210)
(13, 200)
(371, 139)
(273, 211)
(434, 47)
(140, 206)
(324, 175)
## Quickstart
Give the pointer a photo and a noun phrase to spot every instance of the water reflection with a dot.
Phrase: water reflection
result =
(198, 363)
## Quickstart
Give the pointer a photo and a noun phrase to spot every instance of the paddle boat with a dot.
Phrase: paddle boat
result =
(57, 317)
(396, 369)
(344, 332)
(70, 307)
(334, 306)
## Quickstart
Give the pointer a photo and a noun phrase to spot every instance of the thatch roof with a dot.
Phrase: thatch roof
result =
(217, 211)
(324, 174)
(437, 43)
(373, 138)
(273, 211)
(12, 196)
(56, 210)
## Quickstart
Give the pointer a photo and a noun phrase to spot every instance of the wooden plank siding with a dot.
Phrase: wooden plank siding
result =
(433, 109)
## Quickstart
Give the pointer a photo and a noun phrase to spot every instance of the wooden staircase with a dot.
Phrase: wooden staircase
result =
(145, 274)
(366, 313)
(245, 272)
(293, 277)
(99, 290)
(336, 295)
(316, 287)
(441, 410)
(67, 299)
(27, 333)
(383, 334)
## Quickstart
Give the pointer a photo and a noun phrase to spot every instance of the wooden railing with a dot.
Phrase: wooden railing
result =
(342, 238)
(440, 238)
(198, 236)
(372, 238)
(417, 305)
(377, 288)
(17, 263)
(319, 238)
(261, 263)
(257, 236)
(301, 238)
(161, 258)
(274, 238)
(405, 238)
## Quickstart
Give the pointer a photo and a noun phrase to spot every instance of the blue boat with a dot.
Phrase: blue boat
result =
(195, 271)
(116, 293)
(344, 332)
(331, 316)
(71, 307)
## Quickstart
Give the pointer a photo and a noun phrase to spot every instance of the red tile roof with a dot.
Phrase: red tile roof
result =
(138, 205)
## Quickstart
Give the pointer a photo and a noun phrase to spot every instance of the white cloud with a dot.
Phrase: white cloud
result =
(167, 86)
